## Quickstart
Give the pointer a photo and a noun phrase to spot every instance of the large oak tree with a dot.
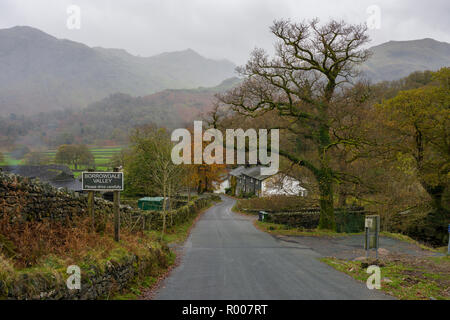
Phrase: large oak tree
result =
(313, 65)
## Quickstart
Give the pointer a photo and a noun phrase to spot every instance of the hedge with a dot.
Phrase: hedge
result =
(347, 221)
(153, 220)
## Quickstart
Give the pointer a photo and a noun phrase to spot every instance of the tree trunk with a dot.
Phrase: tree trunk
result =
(170, 204)
(327, 220)
(342, 202)
(164, 213)
(164, 223)
(324, 174)
(199, 187)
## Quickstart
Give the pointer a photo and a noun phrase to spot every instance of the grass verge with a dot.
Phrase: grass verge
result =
(179, 233)
(139, 285)
(404, 277)
(283, 230)
(280, 229)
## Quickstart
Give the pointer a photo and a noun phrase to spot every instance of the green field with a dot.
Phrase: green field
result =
(10, 161)
(102, 158)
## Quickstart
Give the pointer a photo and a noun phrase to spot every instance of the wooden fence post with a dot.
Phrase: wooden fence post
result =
(91, 205)
(116, 209)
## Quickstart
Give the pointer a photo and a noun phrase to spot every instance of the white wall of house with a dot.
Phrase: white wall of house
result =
(280, 184)
(220, 187)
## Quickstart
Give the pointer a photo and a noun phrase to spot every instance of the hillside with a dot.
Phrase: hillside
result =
(42, 73)
(111, 118)
(168, 108)
(397, 59)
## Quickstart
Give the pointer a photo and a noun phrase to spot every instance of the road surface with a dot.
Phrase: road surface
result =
(226, 257)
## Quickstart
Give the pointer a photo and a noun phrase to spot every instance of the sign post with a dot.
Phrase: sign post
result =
(91, 204)
(372, 236)
(91, 209)
(116, 210)
(105, 181)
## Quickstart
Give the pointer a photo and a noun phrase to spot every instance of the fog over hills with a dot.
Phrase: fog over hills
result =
(111, 118)
(41, 73)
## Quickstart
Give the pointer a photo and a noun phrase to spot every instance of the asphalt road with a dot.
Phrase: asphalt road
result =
(226, 257)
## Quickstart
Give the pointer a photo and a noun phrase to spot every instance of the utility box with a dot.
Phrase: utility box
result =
(152, 203)
(372, 234)
(262, 215)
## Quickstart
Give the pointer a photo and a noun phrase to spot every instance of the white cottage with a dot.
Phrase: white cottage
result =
(250, 180)
(222, 185)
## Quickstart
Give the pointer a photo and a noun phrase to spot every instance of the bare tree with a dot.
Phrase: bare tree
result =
(301, 83)
(154, 147)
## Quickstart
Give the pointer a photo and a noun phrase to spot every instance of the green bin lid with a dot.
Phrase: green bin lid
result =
(151, 199)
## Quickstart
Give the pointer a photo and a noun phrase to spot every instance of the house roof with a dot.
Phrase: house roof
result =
(52, 172)
(59, 176)
(238, 171)
(253, 172)
(74, 184)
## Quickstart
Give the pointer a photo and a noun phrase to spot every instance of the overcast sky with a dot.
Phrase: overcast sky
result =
(217, 28)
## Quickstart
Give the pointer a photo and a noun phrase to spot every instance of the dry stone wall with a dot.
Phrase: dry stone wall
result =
(30, 200)
(24, 199)
(27, 199)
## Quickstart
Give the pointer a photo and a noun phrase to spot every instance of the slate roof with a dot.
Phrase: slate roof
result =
(253, 172)
(237, 171)
(59, 176)
(74, 184)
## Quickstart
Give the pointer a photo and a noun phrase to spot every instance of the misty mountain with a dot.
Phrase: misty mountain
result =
(42, 73)
(170, 108)
(397, 59)
(110, 119)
